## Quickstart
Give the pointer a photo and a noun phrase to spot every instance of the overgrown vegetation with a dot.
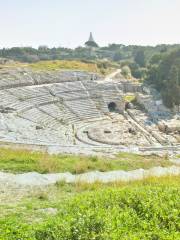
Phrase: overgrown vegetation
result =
(68, 65)
(18, 161)
(164, 73)
(162, 70)
(99, 67)
(131, 211)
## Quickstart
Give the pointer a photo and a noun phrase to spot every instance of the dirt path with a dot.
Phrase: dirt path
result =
(109, 77)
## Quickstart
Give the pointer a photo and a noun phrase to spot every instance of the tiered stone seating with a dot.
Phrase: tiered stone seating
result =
(13, 79)
(63, 76)
(40, 118)
(7, 99)
(106, 93)
(25, 93)
(11, 101)
(65, 99)
(68, 90)
(84, 108)
(21, 99)
(24, 77)
(61, 113)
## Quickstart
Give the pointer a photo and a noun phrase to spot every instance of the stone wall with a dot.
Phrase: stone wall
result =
(129, 86)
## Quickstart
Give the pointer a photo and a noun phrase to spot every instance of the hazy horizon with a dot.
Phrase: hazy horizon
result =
(68, 23)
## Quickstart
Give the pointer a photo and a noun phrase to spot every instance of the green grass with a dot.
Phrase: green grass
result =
(65, 65)
(88, 211)
(56, 65)
(72, 65)
(19, 161)
(147, 209)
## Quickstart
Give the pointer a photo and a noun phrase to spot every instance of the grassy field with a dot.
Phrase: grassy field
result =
(147, 209)
(64, 65)
(19, 161)
(55, 65)
(70, 65)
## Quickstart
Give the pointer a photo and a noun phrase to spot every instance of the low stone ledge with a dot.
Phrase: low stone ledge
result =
(36, 179)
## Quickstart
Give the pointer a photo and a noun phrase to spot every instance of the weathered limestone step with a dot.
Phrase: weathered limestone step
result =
(36, 179)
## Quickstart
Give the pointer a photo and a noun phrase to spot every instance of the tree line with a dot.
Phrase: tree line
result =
(164, 73)
(113, 52)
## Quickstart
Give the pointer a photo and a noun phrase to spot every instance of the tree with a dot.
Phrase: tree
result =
(126, 72)
(171, 94)
(140, 58)
(173, 84)
(118, 56)
(156, 59)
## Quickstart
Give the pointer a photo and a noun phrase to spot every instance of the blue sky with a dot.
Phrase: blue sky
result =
(68, 22)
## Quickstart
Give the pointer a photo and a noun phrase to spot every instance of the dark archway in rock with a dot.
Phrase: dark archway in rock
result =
(112, 107)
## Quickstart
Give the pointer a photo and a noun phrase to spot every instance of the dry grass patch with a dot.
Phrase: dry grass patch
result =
(80, 186)
(64, 65)
(47, 165)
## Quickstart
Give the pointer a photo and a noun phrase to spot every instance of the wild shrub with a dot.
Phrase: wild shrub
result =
(131, 213)
(145, 213)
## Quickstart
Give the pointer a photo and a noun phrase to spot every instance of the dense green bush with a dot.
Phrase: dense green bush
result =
(132, 213)
(164, 74)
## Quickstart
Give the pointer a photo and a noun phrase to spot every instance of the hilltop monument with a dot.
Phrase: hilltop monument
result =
(91, 43)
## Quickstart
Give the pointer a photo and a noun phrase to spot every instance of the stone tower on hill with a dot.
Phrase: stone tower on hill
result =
(91, 43)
